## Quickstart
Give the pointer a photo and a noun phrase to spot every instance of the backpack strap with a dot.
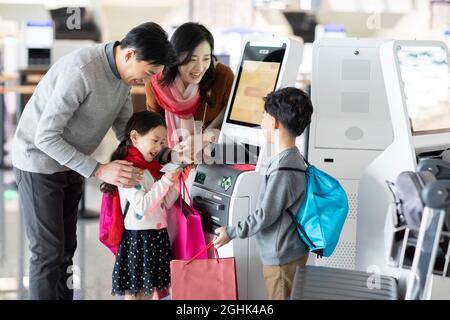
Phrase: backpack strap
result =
(306, 161)
(298, 225)
(310, 244)
(284, 169)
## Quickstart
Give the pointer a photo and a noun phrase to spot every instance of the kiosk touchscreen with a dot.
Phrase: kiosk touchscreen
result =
(416, 76)
(258, 75)
(266, 65)
(425, 75)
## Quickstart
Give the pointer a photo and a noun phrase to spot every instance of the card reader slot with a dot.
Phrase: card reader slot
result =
(209, 204)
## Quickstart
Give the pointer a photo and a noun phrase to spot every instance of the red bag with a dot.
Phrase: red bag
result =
(189, 238)
(204, 279)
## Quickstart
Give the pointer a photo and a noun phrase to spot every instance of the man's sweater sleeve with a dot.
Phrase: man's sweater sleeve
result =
(69, 93)
(274, 202)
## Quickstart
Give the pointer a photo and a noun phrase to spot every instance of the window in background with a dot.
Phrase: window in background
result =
(371, 5)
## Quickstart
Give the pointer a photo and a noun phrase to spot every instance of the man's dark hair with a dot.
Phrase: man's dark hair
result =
(151, 44)
(291, 107)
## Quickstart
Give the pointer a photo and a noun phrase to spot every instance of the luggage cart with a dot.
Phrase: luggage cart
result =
(315, 282)
(401, 240)
(436, 196)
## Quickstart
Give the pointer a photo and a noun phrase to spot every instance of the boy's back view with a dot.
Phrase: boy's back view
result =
(287, 113)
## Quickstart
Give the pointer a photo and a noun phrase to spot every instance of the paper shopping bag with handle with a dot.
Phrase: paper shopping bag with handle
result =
(204, 279)
(189, 238)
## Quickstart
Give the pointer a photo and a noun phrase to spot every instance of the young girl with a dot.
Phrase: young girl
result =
(142, 267)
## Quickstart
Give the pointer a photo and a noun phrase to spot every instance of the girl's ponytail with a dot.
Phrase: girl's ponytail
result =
(119, 154)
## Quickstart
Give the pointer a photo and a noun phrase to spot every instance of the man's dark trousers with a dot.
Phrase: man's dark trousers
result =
(49, 205)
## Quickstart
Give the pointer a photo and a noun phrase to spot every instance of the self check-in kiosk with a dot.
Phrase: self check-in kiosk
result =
(417, 80)
(350, 125)
(226, 192)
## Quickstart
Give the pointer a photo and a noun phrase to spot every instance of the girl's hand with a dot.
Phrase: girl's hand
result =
(174, 175)
(186, 171)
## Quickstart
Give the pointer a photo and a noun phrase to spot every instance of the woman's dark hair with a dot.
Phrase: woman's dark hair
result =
(142, 122)
(291, 107)
(151, 44)
(184, 40)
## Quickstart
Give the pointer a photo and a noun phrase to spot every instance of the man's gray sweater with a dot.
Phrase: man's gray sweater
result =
(69, 113)
(275, 233)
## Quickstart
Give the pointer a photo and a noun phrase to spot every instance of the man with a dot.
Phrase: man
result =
(74, 105)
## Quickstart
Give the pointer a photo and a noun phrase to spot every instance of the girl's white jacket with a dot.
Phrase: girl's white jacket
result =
(148, 202)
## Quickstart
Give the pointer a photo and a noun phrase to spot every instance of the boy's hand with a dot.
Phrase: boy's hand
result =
(221, 237)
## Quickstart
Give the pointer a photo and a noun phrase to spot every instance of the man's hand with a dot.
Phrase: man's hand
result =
(221, 237)
(120, 173)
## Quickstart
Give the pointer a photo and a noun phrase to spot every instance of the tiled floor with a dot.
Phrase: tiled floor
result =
(93, 262)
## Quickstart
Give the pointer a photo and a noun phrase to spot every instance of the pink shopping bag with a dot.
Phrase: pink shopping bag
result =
(204, 279)
(189, 238)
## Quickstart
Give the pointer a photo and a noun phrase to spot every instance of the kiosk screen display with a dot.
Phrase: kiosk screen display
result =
(426, 77)
(258, 76)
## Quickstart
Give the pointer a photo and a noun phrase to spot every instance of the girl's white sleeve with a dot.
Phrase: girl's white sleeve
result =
(143, 200)
(172, 195)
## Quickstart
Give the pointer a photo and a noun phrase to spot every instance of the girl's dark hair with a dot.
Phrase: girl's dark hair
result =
(142, 122)
(151, 44)
(184, 40)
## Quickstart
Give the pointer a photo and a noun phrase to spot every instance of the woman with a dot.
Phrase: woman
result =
(193, 94)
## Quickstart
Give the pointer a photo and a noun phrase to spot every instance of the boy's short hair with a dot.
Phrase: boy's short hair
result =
(151, 43)
(291, 107)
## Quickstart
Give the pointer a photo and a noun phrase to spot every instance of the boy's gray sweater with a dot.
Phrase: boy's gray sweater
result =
(275, 233)
(69, 113)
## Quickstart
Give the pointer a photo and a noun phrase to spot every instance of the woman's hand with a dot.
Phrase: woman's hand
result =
(179, 155)
(174, 175)
(192, 148)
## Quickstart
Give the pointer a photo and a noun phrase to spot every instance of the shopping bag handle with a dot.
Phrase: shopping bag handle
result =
(209, 245)
(190, 205)
(184, 188)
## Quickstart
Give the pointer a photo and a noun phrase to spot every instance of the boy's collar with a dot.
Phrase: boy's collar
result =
(281, 153)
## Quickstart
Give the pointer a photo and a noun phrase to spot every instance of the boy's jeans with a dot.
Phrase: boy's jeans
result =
(278, 279)
(49, 204)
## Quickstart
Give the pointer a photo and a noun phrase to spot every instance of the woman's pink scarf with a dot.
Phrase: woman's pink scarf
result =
(179, 107)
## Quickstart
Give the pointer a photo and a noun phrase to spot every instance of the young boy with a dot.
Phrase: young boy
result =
(287, 112)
